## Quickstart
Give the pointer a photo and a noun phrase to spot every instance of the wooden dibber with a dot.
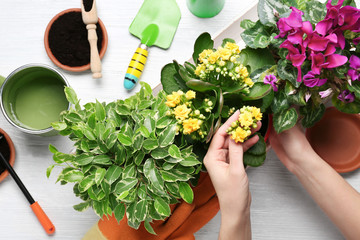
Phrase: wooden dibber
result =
(90, 18)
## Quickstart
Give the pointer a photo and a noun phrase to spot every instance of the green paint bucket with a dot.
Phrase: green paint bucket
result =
(32, 97)
(205, 8)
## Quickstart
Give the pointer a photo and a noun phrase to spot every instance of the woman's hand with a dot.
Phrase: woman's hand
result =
(224, 162)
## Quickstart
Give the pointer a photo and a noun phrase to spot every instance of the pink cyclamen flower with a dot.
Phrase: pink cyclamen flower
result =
(346, 96)
(293, 22)
(271, 79)
(326, 93)
(311, 81)
(354, 73)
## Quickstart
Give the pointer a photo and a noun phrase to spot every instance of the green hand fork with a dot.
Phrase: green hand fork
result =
(155, 24)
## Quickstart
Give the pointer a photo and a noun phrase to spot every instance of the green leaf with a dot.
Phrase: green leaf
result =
(99, 175)
(186, 192)
(113, 173)
(173, 188)
(190, 161)
(144, 131)
(259, 148)
(84, 159)
(351, 108)
(49, 170)
(53, 149)
(102, 160)
(137, 140)
(98, 207)
(123, 110)
(257, 91)
(169, 82)
(141, 210)
(96, 193)
(73, 176)
(258, 36)
(285, 120)
(73, 117)
(129, 171)
(266, 11)
(124, 139)
(148, 227)
(160, 153)
(125, 185)
(163, 122)
(162, 207)
(247, 23)
(111, 140)
(256, 58)
(203, 42)
(59, 126)
(139, 157)
(288, 72)
(71, 95)
(167, 136)
(152, 174)
(280, 102)
(254, 160)
(150, 144)
(311, 114)
(174, 151)
(82, 206)
(91, 122)
(86, 183)
(200, 86)
(88, 133)
(315, 11)
(119, 212)
(355, 88)
(100, 111)
(174, 175)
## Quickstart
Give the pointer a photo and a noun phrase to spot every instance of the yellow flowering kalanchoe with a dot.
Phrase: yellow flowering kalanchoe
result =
(240, 130)
(212, 62)
(188, 118)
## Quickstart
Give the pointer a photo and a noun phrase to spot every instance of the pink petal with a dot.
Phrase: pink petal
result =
(330, 49)
(324, 26)
(296, 37)
(336, 60)
(294, 20)
(356, 41)
(332, 38)
(299, 74)
(326, 93)
(316, 61)
(297, 59)
(341, 39)
(354, 62)
(307, 28)
(307, 96)
(318, 43)
(353, 74)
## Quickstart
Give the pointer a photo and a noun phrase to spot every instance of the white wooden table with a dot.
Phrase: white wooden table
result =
(281, 209)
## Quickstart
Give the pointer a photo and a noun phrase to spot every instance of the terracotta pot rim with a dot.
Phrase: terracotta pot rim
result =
(346, 167)
(4, 174)
(52, 57)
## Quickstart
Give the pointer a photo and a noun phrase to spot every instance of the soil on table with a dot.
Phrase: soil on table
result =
(5, 151)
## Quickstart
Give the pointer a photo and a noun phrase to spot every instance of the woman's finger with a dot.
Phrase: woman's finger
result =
(236, 156)
(250, 142)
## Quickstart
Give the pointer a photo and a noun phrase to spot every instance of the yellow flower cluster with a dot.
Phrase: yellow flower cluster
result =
(218, 62)
(189, 119)
(240, 130)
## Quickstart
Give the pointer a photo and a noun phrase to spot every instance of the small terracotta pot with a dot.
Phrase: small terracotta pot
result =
(4, 174)
(52, 57)
(336, 138)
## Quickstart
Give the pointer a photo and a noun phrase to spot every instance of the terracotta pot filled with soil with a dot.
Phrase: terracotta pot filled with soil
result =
(66, 41)
(7, 149)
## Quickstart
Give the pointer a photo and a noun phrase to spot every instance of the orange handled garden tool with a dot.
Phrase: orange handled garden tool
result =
(155, 24)
(40, 214)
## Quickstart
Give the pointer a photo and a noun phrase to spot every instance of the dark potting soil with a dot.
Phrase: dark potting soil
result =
(88, 5)
(5, 151)
(68, 40)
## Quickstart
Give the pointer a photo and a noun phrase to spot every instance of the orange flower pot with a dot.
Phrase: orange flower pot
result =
(4, 174)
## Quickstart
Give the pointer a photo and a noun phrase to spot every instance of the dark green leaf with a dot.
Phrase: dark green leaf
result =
(254, 160)
(280, 102)
(203, 42)
(84, 159)
(285, 120)
(139, 157)
(355, 88)
(351, 108)
(82, 206)
(148, 227)
(311, 114)
(200, 86)
(256, 58)
(266, 11)
(288, 72)
(150, 144)
(125, 185)
(257, 91)
(119, 212)
(169, 82)
(102, 159)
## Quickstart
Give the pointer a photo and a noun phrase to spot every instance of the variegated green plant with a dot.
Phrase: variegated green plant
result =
(126, 159)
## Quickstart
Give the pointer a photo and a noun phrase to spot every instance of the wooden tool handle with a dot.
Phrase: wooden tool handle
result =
(95, 62)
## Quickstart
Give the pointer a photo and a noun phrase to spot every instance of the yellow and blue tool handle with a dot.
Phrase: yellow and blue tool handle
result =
(136, 67)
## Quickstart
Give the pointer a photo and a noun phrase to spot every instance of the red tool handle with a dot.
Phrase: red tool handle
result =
(43, 218)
